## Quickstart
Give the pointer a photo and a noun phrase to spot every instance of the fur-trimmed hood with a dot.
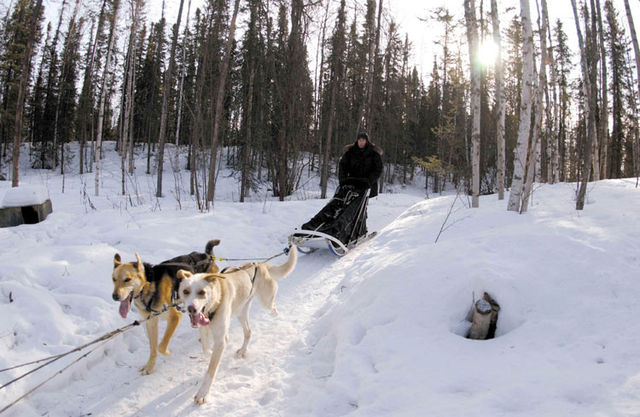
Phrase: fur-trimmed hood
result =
(373, 146)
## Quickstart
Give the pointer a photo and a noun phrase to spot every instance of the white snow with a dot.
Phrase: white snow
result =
(24, 196)
(379, 332)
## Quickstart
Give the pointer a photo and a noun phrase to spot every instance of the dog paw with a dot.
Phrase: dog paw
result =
(166, 352)
(241, 353)
(147, 369)
(274, 312)
(201, 397)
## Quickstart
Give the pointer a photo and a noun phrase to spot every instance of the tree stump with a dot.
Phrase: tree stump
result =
(484, 318)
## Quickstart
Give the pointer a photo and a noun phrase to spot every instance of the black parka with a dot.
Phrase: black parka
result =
(363, 163)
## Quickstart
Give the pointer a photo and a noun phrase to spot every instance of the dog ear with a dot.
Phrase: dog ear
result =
(212, 277)
(117, 261)
(183, 273)
(140, 265)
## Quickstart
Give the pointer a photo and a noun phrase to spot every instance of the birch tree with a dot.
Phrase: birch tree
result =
(520, 155)
(634, 41)
(499, 106)
(472, 39)
(533, 161)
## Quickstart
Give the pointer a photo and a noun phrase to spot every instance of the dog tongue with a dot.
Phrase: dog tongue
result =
(198, 319)
(125, 305)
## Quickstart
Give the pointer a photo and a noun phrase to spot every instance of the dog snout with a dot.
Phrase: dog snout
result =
(115, 296)
(191, 309)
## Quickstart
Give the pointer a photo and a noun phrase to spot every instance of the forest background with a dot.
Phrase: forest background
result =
(516, 92)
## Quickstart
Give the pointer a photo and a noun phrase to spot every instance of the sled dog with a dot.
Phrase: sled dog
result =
(211, 299)
(152, 289)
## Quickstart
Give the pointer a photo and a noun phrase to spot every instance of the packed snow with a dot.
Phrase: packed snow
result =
(378, 332)
(24, 196)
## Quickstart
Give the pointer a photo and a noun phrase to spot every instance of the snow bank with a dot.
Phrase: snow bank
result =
(24, 196)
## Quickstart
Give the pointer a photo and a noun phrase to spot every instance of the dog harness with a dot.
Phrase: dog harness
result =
(255, 271)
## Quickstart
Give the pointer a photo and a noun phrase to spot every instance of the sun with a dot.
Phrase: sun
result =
(487, 52)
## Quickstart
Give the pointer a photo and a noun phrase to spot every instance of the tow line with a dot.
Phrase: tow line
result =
(51, 359)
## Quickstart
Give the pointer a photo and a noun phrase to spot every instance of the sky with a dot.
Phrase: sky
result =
(410, 15)
(378, 332)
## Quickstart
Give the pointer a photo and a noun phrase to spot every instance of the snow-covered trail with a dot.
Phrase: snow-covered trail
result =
(108, 383)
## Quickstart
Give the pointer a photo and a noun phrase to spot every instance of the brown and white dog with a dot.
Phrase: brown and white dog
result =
(153, 289)
(213, 298)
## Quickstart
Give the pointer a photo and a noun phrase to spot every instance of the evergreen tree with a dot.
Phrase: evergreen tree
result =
(562, 55)
(66, 107)
(334, 87)
(36, 108)
(616, 48)
(22, 31)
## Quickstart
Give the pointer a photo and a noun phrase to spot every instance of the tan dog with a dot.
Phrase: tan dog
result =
(152, 288)
(212, 299)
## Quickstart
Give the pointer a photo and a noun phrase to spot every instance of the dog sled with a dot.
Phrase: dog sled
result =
(340, 225)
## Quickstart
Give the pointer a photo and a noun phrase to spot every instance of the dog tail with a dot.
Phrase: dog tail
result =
(210, 244)
(281, 271)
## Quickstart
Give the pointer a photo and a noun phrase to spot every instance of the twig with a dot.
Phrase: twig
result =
(442, 227)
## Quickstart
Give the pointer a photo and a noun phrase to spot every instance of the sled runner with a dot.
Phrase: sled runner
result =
(340, 225)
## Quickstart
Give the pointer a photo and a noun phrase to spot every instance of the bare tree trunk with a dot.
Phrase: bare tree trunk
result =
(499, 109)
(224, 72)
(552, 117)
(634, 40)
(22, 93)
(168, 81)
(533, 161)
(129, 94)
(374, 50)
(515, 195)
(181, 88)
(318, 90)
(593, 58)
(103, 95)
(63, 71)
(247, 145)
(472, 37)
(604, 108)
(636, 127)
(590, 109)
(3, 140)
(54, 46)
(86, 119)
(324, 176)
